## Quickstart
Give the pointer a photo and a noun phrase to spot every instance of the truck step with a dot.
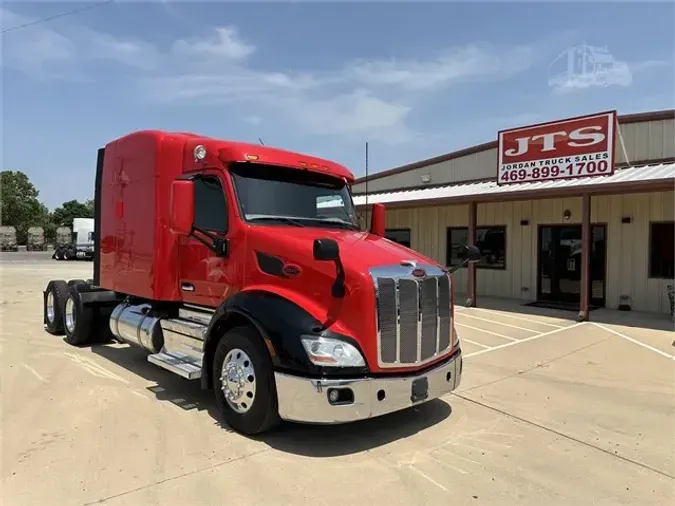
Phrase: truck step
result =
(177, 363)
(201, 317)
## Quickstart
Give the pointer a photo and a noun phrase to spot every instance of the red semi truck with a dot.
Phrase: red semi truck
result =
(244, 267)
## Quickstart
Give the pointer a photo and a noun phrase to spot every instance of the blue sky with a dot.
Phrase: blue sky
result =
(415, 80)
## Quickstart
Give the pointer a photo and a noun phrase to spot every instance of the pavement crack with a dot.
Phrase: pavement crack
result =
(566, 436)
(160, 482)
(536, 366)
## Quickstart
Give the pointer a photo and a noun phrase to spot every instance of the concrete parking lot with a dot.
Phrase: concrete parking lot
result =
(549, 412)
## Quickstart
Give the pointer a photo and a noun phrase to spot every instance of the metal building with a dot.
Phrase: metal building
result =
(532, 234)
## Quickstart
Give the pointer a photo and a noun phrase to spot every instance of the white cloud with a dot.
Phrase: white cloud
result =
(362, 99)
(253, 120)
(474, 61)
(45, 53)
(226, 44)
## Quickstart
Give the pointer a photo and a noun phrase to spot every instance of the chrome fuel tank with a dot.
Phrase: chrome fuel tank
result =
(137, 325)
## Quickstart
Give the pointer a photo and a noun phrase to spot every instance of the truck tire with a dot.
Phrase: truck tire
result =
(54, 301)
(245, 391)
(67, 254)
(78, 319)
(77, 282)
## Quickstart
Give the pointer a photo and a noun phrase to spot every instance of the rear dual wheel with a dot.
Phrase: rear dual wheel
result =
(55, 299)
(78, 319)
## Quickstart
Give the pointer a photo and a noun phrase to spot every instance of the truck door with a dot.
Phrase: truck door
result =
(204, 276)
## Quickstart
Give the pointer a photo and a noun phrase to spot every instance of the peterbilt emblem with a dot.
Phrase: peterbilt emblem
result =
(292, 270)
(419, 273)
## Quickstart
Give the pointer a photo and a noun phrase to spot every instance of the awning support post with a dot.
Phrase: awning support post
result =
(585, 256)
(471, 267)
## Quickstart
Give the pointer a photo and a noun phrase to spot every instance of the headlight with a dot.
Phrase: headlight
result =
(330, 352)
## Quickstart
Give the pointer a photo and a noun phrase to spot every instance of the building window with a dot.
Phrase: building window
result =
(399, 235)
(491, 241)
(661, 250)
(210, 205)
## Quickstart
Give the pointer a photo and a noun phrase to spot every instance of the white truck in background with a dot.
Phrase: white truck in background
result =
(81, 246)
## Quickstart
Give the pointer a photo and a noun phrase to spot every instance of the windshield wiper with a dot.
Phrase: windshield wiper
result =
(335, 221)
(282, 219)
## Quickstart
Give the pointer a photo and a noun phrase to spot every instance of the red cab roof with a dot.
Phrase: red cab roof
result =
(231, 151)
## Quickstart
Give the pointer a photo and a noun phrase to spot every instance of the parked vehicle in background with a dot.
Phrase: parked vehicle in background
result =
(242, 267)
(8, 239)
(35, 240)
(62, 237)
(81, 245)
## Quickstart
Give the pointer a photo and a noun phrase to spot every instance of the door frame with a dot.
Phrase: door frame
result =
(596, 302)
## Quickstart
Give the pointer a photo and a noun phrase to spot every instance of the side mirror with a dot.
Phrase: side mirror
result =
(472, 254)
(329, 250)
(469, 254)
(326, 249)
(182, 207)
(378, 220)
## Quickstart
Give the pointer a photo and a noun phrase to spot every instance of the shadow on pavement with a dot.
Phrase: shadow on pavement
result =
(298, 439)
(653, 321)
(346, 439)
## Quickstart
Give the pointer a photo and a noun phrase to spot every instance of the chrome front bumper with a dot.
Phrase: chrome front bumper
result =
(307, 400)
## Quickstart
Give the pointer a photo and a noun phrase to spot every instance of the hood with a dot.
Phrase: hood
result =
(359, 250)
(274, 249)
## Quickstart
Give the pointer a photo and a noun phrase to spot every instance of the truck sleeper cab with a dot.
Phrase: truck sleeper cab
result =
(243, 267)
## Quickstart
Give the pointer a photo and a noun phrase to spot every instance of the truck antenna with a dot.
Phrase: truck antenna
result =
(261, 142)
(366, 185)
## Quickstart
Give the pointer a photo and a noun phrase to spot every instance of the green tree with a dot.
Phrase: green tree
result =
(20, 205)
(63, 216)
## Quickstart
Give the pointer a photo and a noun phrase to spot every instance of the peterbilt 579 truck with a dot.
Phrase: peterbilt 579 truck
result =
(217, 259)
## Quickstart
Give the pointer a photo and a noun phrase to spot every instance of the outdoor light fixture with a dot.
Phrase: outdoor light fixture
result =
(567, 214)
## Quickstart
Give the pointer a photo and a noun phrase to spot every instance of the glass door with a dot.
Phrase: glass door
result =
(559, 277)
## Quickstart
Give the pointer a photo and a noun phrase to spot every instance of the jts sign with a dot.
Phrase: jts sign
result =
(571, 148)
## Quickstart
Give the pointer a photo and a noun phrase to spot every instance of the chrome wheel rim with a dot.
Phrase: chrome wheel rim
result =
(70, 314)
(50, 307)
(238, 380)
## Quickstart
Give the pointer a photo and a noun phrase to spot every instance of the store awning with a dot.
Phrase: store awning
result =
(629, 179)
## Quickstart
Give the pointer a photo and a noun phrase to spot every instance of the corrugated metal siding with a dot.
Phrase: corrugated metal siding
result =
(644, 141)
(659, 172)
(627, 244)
(628, 247)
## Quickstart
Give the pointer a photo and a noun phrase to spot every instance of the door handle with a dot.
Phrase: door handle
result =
(188, 287)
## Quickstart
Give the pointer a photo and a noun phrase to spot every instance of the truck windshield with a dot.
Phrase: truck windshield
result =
(292, 197)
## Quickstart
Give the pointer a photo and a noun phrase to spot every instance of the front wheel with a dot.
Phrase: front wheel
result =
(243, 382)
